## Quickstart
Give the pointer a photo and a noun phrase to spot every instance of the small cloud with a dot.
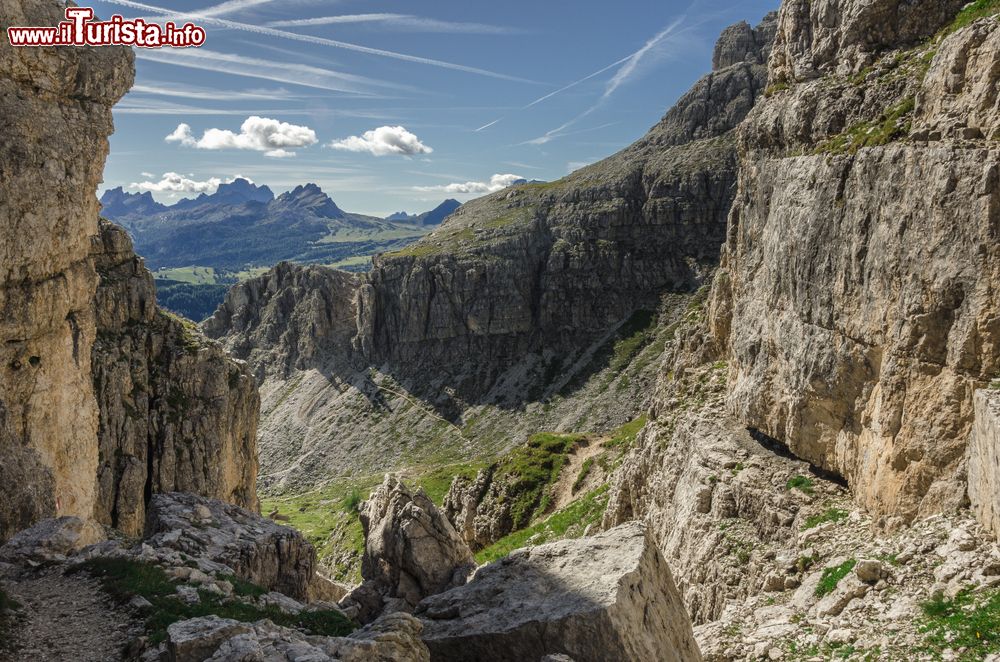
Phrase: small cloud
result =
(496, 183)
(383, 141)
(147, 175)
(172, 182)
(260, 134)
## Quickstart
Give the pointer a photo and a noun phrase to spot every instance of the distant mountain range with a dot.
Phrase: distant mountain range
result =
(200, 246)
(243, 226)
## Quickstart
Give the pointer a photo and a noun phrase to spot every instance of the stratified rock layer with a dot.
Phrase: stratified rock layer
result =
(176, 414)
(56, 104)
(609, 597)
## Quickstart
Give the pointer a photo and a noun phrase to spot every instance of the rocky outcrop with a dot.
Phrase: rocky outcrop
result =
(176, 413)
(393, 638)
(254, 548)
(857, 303)
(57, 109)
(51, 540)
(608, 597)
(984, 459)
(411, 551)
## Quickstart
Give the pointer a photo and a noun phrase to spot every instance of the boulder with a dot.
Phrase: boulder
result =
(411, 549)
(253, 547)
(393, 638)
(607, 597)
(51, 540)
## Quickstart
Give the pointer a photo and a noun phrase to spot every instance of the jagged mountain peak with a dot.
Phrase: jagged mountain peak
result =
(310, 196)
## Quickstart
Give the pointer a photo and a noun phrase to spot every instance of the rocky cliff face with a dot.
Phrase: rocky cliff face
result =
(104, 399)
(506, 319)
(57, 105)
(176, 414)
(855, 311)
(857, 301)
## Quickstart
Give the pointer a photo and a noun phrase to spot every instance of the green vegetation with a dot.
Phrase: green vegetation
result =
(771, 90)
(800, 483)
(588, 464)
(437, 481)
(531, 469)
(831, 577)
(7, 608)
(124, 579)
(570, 522)
(634, 335)
(893, 125)
(352, 502)
(968, 624)
(971, 13)
(624, 437)
(828, 515)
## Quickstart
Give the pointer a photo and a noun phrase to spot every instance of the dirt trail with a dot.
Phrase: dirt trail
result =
(562, 491)
(67, 618)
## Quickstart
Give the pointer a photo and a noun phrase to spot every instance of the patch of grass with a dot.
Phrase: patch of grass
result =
(968, 624)
(800, 483)
(831, 577)
(243, 587)
(571, 521)
(828, 515)
(971, 13)
(780, 86)
(624, 437)
(893, 125)
(124, 579)
(437, 481)
(530, 470)
(634, 335)
(352, 502)
(585, 470)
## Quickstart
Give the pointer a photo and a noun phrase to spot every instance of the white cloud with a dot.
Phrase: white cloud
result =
(175, 183)
(496, 183)
(171, 182)
(383, 141)
(260, 134)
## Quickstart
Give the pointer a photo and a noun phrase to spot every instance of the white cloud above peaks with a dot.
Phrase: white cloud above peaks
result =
(496, 183)
(384, 141)
(260, 134)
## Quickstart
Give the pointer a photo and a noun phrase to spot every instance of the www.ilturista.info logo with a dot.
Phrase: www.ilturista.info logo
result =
(79, 29)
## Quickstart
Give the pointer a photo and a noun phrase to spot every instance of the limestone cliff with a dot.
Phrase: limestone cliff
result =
(855, 312)
(104, 399)
(57, 118)
(507, 318)
(176, 414)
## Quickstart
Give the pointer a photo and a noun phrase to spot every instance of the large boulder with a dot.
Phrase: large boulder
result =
(411, 549)
(254, 548)
(393, 638)
(607, 597)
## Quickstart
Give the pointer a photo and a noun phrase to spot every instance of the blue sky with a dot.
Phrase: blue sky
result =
(392, 105)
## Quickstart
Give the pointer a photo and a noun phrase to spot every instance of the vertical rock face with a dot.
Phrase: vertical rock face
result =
(176, 414)
(858, 301)
(984, 460)
(57, 117)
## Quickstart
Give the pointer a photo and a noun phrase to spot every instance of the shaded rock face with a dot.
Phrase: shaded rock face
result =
(57, 109)
(255, 548)
(858, 302)
(411, 549)
(984, 460)
(608, 597)
(292, 318)
(545, 265)
(176, 414)
(393, 638)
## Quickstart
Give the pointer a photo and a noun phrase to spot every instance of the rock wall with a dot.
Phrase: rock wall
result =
(857, 302)
(176, 414)
(57, 109)
(984, 460)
